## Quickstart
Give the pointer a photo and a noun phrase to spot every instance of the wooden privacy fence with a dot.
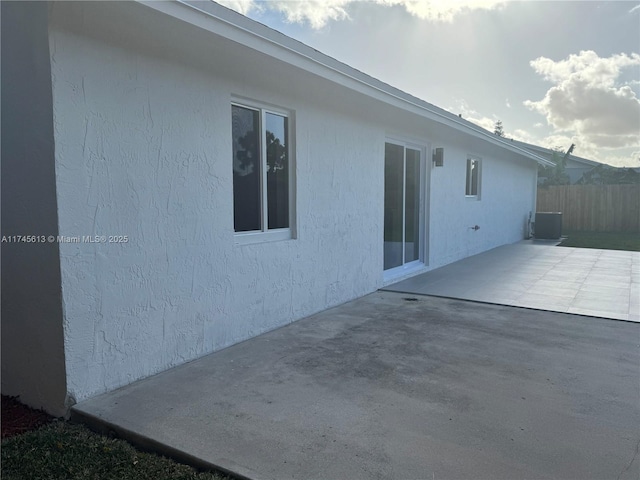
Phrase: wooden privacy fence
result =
(595, 208)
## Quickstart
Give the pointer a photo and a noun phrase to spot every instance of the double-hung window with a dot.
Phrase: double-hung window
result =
(261, 173)
(473, 178)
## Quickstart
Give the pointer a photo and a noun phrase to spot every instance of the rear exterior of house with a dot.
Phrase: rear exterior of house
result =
(209, 179)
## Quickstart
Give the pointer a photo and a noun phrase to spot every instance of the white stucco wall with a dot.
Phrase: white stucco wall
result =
(507, 195)
(142, 122)
(143, 149)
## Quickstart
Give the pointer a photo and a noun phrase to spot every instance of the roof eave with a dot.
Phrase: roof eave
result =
(208, 15)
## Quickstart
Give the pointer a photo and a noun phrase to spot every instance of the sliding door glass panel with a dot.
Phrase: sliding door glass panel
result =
(393, 205)
(412, 206)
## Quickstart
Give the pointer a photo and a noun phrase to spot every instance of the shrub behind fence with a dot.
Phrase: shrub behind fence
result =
(595, 208)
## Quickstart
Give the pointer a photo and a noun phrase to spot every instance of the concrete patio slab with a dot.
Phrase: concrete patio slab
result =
(530, 274)
(401, 387)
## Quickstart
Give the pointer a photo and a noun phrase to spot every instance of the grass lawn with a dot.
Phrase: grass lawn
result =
(604, 240)
(61, 450)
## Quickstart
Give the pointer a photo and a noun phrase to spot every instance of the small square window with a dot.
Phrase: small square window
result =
(261, 171)
(473, 178)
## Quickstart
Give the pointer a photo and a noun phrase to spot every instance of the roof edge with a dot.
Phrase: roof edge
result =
(279, 40)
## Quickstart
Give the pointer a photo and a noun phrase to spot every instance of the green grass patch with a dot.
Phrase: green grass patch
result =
(62, 450)
(604, 240)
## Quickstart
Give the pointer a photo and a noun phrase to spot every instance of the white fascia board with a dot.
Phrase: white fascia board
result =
(538, 150)
(236, 27)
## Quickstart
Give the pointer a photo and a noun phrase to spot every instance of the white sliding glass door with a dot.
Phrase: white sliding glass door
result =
(402, 205)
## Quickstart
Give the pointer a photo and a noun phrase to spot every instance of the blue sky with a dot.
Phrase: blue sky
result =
(554, 72)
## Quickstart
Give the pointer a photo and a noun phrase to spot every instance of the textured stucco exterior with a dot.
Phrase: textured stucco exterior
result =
(142, 134)
(143, 149)
(507, 196)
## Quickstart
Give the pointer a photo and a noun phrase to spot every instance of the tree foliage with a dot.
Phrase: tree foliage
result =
(498, 128)
(276, 153)
(608, 175)
(555, 175)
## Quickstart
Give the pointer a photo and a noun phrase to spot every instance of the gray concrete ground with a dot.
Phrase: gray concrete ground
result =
(536, 274)
(396, 386)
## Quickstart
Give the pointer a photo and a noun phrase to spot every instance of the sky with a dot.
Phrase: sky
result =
(554, 72)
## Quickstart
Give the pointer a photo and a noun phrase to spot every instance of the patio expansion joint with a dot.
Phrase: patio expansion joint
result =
(631, 462)
(576, 283)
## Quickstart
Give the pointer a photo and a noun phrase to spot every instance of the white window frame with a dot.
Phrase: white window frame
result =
(469, 179)
(267, 234)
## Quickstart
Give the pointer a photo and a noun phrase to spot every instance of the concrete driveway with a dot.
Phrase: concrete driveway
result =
(394, 386)
(537, 274)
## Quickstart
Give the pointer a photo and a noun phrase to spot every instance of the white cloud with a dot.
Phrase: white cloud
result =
(563, 142)
(473, 116)
(523, 136)
(587, 101)
(240, 6)
(442, 10)
(635, 9)
(630, 160)
(559, 139)
(485, 122)
(317, 13)
(508, 104)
